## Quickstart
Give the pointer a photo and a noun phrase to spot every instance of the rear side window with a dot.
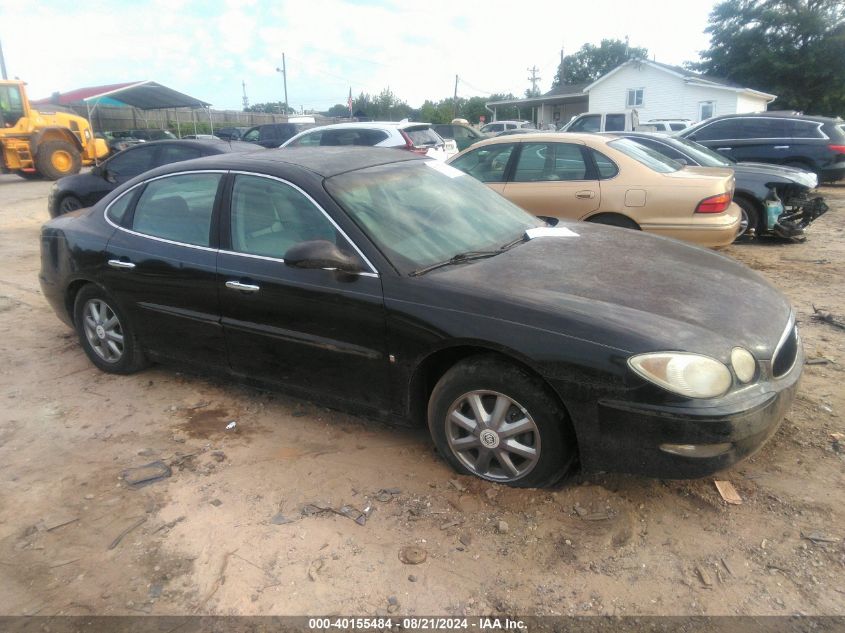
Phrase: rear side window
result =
(614, 123)
(308, 140)
(423, 136)
(762, 128)
(543, 162)
(117, 210)
(607, 168)
(352, 137)
(178, 208)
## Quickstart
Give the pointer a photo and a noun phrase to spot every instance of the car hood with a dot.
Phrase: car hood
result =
(798, 176)
(624, 289)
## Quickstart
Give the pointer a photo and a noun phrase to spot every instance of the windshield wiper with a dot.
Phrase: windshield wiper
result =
(467, 256)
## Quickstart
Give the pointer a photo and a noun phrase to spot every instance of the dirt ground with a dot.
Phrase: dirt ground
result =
(231, 531)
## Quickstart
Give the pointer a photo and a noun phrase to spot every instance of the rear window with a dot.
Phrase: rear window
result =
(648, 157)
(677, 127)
(804, 129)
(423, 136)
(614, 123)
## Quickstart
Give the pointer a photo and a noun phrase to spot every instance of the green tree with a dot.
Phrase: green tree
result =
(792, 48)
(274, 107)
(591, 62)
(338, 110)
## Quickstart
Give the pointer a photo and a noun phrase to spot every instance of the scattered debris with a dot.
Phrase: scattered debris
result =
(580, 511)
(216, 503)
(386, 494)
(62, 563)
(596, 516)
(392, 604)
(465, 539)
(727, 567)
(728, 492)
(827, 317)
(703, 576)
(89, 497)
(314, 568)
(359, 516)
(281, 519)
(452, 523)
(231, 425)
(817, 361)
(457, 485)
(145, 475)
(502, 527)
(412, 555)
(412, 578)
(491, 494)
(837, 442)
(170, 525)
(120, 536)
(58, 521)
(219, 456)
(818, 537)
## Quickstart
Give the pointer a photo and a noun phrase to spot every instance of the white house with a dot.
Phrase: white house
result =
(660, 91)
(657, 91)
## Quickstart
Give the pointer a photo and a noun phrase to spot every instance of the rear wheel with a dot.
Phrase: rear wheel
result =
(56, 159)
(494, 420)
(614, 219)
(750, 223)
(105, 333)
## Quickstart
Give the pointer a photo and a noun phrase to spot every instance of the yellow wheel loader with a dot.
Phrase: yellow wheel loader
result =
(45, 144)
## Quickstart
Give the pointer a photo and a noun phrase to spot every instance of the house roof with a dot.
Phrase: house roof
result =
(688, 76)
(564, 92)
(145, 95)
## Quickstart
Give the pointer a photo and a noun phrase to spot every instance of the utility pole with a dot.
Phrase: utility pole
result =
(2, 62)
(533, 79)
(246, 101)
(455, 100)
(284, 72)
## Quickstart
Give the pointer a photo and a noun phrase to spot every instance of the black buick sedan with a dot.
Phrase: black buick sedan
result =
(400, 288)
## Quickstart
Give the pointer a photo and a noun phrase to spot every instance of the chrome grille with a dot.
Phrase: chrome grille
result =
(786, 352)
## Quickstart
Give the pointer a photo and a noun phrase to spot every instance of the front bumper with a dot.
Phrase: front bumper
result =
(633, 437)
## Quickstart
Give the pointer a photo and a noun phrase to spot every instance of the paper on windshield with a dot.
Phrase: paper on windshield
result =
(550, 231)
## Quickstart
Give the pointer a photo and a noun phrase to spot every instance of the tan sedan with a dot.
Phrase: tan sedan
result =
(607, 180)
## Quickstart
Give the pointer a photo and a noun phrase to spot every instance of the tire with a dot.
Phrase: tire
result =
(105, 333)
(750, 218)
(68, 204)
(29, 175)
(56, 159)
(614, 219)
(496, 385)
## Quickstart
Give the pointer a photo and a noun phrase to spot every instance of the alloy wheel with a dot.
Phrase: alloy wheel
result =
(103, 330)
(493, 436)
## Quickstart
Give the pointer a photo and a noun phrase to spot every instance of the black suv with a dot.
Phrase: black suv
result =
(813, 143)
(273, 134)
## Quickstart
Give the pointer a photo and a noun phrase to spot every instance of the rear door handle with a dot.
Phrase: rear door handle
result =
(724, 149)
(781, 146)
(236, 285)
(585, 195)
(118, 263)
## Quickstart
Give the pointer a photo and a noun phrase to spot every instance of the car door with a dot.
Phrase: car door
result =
(162, 267)
(310, 330)
(761, 139)
(554, 179)
(488, 163)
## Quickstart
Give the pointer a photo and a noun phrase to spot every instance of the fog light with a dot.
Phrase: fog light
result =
(744, 364)
(696, 450)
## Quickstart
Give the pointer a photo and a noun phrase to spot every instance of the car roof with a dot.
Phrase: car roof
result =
(369, 125)
(535, 137)
(323, 161)
(786, 114)
(222, 146)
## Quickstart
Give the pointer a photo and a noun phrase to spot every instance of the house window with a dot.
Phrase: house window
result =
(706, 109)
(635, 97)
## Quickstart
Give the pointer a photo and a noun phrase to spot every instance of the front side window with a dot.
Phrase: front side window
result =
(131, 162)
(268, 217)
(178, 208)
(723, 129)
(487, 163)
(11, 106)
(541, 162)
(252, 135)
(635, 97)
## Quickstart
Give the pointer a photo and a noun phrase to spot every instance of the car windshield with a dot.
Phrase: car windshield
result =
(703, 155)
(420, 213)
(648, 157)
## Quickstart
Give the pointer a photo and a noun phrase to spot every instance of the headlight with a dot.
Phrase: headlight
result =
(743, 363)
(686, 374)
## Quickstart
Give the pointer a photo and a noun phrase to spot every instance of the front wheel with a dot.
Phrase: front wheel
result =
(105, 333)
(68, 204)
(56, 159)
(495, 420)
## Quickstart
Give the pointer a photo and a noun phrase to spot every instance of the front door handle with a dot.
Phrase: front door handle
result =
(724, 149)
(781, 146)
(118, 263)
(585, 195)
(236, 285)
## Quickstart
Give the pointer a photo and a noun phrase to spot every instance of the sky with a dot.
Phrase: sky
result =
(206, 48)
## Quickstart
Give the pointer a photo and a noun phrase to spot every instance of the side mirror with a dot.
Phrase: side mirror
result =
(108, 175)
(320, 254)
